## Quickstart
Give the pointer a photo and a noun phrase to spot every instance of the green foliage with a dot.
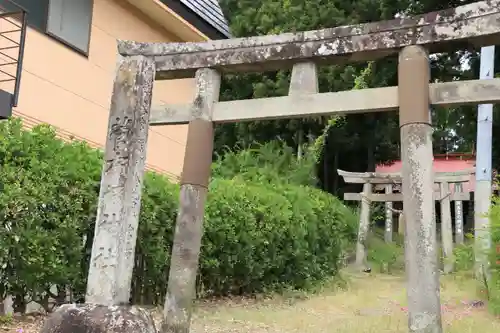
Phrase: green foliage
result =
(360, 140)
(265, 229)
(155, 237)
(385, 257)
(336, 122)
(287, 217)
(463, 255)
(6, 319)
(494, 287)
(47, 200)
(464, 258)
(267, 237)
(249, 18)
(272, 162)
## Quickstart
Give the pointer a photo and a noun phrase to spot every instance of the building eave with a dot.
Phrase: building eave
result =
(167, 18)
(205, 15)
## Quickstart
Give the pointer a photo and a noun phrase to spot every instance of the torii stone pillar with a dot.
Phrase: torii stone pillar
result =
(113, 249)
(446, 227)
(193, 193)
(106, 306)
(459, 217)
(388, 216)
(424, 306)
(364, 228)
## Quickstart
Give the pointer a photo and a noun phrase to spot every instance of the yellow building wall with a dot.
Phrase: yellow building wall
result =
(72, 92)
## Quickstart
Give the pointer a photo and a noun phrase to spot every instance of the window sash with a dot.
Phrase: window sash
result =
(70, 21)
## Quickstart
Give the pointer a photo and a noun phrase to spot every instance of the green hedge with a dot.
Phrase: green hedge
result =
(47, 201)
(494, 303)
(258, 237)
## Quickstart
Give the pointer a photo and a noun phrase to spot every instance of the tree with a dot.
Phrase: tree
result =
(268, 17)
(356, 142)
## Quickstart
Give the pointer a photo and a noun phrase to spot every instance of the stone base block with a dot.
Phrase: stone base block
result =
(92, 318)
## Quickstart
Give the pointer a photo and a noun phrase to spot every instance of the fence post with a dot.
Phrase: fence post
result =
(424, 308)
(193, 193)
(113, 249)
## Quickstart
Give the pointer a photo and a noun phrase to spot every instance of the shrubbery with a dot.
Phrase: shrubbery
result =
(463, 255)
(47, 203)
(272, 163)
(495, 257)
(386, 257)
(259, 235)
(464, 258)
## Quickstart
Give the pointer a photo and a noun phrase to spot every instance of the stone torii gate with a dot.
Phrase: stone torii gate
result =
(387, 180)
(140, 64)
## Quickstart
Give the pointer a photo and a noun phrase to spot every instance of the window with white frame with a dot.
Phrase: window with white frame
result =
(68, 21)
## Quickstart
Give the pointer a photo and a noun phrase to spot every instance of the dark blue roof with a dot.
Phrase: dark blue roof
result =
(206, 15)
(211, 12)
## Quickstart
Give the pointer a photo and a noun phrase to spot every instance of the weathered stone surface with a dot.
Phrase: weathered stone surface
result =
(478, 22)
(396, 178)
(420, 230)
(421, 264)
(193, 193)
(446, 228)
(364, 229)
(330, 103)
(459, 217)
(304, 79)
(388, 216)
(112, 259)
(92, 318)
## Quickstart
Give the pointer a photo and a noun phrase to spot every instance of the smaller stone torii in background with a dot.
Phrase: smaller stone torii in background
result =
(387, 181)
(131, 113)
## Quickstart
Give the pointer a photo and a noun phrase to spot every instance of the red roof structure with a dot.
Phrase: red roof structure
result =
(443, 163)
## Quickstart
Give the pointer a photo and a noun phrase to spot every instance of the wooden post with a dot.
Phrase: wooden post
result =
(388, 216)
(424, 307)
(459, 217)
(364, 227)
(446, 228)
(113, 249)
(189, 225)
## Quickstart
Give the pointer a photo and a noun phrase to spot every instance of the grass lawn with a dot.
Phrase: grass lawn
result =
(370, 303)
(375, 303)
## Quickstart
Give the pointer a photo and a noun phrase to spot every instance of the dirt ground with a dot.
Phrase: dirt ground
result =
(373, 303)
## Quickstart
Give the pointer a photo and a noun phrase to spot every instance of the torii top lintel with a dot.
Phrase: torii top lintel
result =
(396, 178)
(476, 24)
